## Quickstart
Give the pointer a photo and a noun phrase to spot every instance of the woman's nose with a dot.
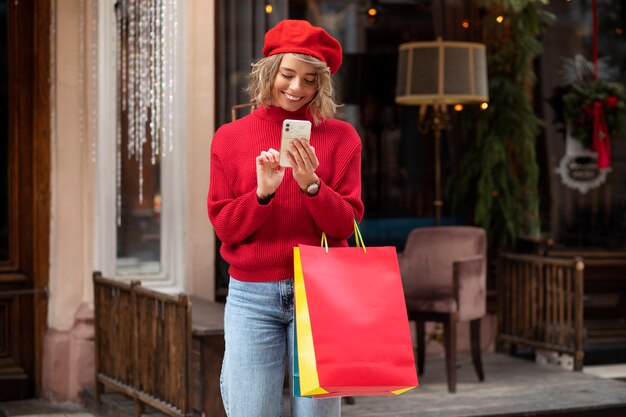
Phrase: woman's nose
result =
(296, 83)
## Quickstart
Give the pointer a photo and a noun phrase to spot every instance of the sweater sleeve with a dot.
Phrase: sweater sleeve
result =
(339, 202)
(234, 218)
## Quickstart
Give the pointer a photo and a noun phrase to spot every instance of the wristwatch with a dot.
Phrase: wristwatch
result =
(312, 189)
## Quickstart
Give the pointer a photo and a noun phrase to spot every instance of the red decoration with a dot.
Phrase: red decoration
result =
(611, 101)
(600, 142)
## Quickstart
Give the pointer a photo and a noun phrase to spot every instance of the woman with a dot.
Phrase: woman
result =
(261, 210)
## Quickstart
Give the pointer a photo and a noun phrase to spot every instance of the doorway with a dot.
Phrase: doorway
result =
(24, 192)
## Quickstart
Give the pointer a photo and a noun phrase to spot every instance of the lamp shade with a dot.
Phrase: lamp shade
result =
(442, 72)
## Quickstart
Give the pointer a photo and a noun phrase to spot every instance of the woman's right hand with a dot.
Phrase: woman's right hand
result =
(269, 173)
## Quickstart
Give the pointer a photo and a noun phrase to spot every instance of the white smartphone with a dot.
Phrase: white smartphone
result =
(292, 130)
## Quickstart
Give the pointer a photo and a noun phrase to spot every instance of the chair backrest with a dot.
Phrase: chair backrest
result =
(430, 252)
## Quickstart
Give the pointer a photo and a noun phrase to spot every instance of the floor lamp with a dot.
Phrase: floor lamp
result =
(440, 73)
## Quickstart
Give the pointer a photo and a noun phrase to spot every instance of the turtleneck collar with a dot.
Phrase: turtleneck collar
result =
(278, 114)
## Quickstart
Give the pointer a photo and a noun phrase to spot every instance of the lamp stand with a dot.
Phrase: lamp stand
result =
(438, 122)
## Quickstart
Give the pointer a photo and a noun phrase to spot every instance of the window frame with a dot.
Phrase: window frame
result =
(173, 178)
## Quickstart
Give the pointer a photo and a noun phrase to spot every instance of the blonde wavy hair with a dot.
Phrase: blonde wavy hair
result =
(263, 74)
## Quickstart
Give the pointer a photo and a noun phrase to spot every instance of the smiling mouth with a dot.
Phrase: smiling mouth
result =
(291, 98)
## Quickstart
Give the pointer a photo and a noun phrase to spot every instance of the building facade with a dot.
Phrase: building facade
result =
(103, 172)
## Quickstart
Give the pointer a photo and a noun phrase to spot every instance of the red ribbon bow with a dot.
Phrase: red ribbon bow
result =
(611, 101)
(600, 143)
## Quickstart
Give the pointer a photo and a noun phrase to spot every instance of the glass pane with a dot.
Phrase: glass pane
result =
(598, 217)
(4, 134)
(139, 234)
(139, 165)
(396, 158)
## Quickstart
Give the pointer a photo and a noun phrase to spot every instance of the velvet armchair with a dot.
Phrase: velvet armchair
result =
(444, 277)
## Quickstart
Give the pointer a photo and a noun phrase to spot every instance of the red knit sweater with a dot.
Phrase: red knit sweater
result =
(258, 240)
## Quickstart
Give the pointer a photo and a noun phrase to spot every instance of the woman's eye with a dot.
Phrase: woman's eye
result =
(287, 76)
(310, 81)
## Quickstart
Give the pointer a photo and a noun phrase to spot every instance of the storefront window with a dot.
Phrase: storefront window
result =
(139, 162)
(395, 168)
(141, 142)
(397, 160)
(597, 217)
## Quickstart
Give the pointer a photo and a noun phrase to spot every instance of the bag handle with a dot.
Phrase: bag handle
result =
(324, 241)
(357, 237)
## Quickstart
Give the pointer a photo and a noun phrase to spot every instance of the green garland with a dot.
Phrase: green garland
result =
(500, 169)
(578, 100)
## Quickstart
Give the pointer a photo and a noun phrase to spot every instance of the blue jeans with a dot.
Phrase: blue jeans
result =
(258, 330)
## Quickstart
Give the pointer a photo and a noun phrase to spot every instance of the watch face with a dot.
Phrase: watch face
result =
(313, 188)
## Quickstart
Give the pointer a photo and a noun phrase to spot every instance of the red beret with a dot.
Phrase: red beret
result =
(299, 36)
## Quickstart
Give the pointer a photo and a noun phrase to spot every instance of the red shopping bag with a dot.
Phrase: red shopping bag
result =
(352, 328)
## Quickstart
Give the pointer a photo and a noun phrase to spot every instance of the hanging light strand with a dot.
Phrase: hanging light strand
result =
(163, 71)
(120, 20)
(147, 43)
(153, 70)
(165, 30)
(141, 117)
(122, 33)
(173, 56)
(130, 91)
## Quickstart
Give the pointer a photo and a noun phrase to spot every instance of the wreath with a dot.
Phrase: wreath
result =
(582, 101)
(583, 96)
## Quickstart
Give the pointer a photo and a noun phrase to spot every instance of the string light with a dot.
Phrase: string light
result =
(458, 107)
(372, 16)
(148, 71)
(268, 8)
(484, 106)
(465, 24)
(121, 102)
(500, 19)
(619, 31)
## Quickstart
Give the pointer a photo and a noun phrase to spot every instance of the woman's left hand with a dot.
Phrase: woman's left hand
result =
(304, 162)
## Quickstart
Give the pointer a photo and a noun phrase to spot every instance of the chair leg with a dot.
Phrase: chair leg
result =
(476, 354)
(449, 330)
(421, 345)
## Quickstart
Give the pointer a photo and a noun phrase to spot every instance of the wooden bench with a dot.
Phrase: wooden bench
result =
(208, 354)
(151, 347)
